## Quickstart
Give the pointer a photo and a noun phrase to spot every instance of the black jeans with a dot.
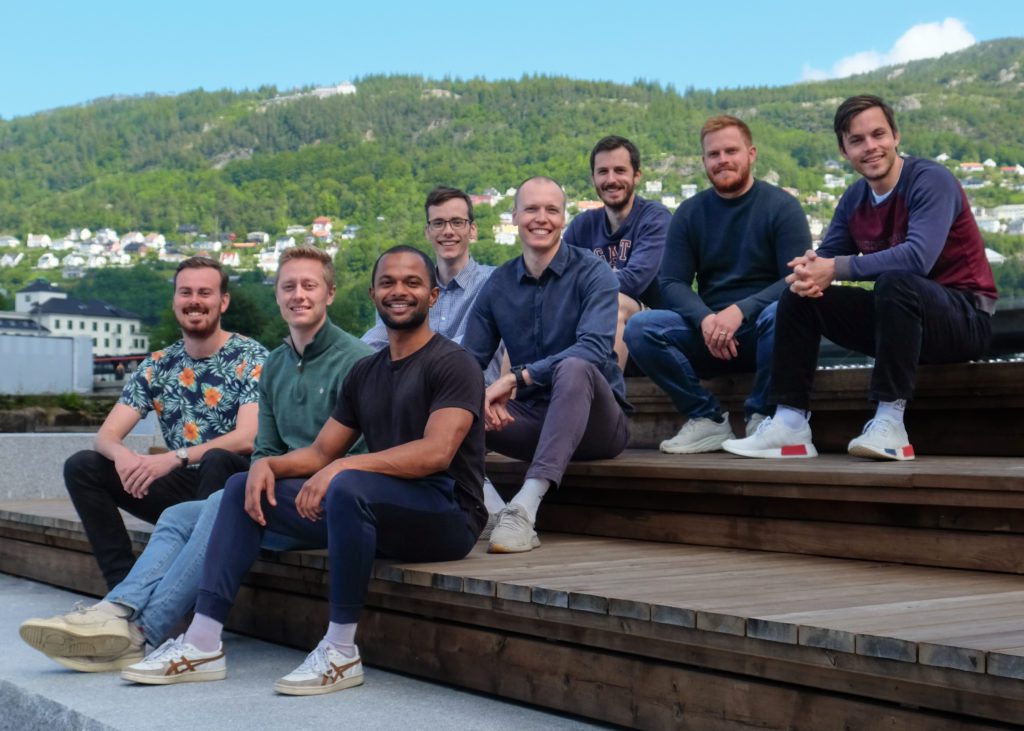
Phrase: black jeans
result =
(904, 321)
(96, 491)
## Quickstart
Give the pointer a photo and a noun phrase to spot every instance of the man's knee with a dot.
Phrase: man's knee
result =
(891, 287)
(80, 467)
(649, 324)
(218, 459)
(233, 492)
(573, 370)
(347, 490)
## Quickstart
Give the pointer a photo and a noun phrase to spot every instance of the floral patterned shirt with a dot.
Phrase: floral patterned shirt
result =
(196, 400)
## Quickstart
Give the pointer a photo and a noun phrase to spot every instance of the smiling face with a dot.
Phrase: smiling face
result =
(870, 146)
(401, 291)
(198, 302)
(540, 215)
(303, 294)
(728, 161)
(614, 178)
(451, 244)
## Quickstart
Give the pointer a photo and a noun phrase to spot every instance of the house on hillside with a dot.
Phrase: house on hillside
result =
(942, 157)
(267, 260)
(9, 261)
(261, 238)
(230, 259)
(322, 229)
(349, 232)
(652, 186)
(970, 167)
(989, 163)
(47, 261)
(155, 241)
(38, 241)
(9, 242)
(834, 181)
(284, 242)
(688, 190)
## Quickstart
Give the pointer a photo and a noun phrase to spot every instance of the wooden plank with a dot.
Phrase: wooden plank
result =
(614, 688)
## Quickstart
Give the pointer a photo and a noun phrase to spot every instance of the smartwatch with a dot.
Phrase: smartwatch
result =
(517, 371)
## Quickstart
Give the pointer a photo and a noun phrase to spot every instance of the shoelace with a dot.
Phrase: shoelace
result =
(881, 427)
(512, 519)
(315, 661)
(765, 423)
(170, 648)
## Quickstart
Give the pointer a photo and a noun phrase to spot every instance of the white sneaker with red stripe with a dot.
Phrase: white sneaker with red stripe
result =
(773, 439)
(882, 439)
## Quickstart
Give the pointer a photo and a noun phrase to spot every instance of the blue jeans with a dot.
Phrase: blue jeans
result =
(672, 353)
(163, 584)
(365, 514)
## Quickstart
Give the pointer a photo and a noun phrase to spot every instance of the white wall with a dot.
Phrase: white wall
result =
(45, 364)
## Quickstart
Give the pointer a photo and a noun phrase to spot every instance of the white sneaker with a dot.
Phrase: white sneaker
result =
(754, 422)
(324, 670)
(774, 439)
(882, 439)
(514, 532)
(698, 435)
(176, 661)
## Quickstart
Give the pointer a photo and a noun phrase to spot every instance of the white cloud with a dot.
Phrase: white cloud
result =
(925, 40)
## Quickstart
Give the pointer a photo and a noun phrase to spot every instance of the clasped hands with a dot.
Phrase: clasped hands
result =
(811, 274)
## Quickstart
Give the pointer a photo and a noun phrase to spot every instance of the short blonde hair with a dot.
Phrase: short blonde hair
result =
(312, 253)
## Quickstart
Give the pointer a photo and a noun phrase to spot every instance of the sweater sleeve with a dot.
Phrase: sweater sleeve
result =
(645, 257)
(678, 269)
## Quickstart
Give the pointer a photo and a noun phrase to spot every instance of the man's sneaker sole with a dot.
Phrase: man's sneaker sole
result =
(100, 664)
(57, 642)
(509, 548)
(710, 444)
(787, 451)
(901, 454)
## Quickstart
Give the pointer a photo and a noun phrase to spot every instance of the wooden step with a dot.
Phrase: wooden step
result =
(645, 634)
(974, 409)
(937, 511)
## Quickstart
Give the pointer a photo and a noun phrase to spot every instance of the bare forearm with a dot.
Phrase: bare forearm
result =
(408, 461)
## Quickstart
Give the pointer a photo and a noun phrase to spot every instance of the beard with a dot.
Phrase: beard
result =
(741, 180)
(412, 322)
(199, 331)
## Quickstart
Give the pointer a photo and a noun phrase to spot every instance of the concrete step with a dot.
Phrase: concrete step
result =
(36, 693)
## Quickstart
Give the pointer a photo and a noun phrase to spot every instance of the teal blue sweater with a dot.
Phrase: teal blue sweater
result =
(297, 394)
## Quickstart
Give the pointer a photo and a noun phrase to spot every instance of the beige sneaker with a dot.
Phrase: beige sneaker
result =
(176, 661)
(698, 435)
(94, 632)
(514, 532)
(324, 670)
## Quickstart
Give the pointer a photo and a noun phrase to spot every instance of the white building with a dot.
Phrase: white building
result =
(38, 241)
(113, 331)
(47, 261)
(284, 242)
(652, 186)
(9, 242)
(688, 190)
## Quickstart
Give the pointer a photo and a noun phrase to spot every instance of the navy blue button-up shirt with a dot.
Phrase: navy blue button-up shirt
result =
(570, 311)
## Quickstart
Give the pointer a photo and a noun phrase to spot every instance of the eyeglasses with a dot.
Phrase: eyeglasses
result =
(457, 224)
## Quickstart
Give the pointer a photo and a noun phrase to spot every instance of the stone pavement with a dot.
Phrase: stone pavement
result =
(36, 693)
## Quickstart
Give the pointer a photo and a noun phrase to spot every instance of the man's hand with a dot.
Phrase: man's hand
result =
(261, 480)
(309, 501)
(811, 274)
(719, 330)
(137, 471)
(496, 398)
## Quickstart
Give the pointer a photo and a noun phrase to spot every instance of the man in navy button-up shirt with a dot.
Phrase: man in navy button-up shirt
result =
(556, 308)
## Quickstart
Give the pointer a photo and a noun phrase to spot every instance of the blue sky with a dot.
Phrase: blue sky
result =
(60, 53)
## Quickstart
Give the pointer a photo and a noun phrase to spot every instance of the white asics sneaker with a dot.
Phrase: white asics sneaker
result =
(324, 670)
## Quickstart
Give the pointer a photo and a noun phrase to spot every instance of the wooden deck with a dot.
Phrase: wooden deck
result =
(658, 634)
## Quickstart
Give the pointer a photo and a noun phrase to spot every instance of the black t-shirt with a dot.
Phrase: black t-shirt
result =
(391, 401)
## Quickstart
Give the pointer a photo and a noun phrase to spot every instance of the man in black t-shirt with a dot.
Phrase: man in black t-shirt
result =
(416, 496)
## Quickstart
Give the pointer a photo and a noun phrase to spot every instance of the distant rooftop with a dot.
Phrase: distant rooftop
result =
(84, 308)
(41, 285)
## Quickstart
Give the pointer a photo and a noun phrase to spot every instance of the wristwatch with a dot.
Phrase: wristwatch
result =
(182, 455)
(517, 371)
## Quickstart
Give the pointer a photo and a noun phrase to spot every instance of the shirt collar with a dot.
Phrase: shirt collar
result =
(556, 266)
(466, 276)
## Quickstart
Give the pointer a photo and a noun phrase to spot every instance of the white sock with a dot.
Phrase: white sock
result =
(791, 418)
(342, 637)
(530, 495)
(204, 633)
(492, 500)
(891, 410)
(118, 610)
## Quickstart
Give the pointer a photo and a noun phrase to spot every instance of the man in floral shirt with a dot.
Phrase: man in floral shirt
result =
(204, 389)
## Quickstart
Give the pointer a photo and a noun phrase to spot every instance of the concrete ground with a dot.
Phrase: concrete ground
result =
(36, 693)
